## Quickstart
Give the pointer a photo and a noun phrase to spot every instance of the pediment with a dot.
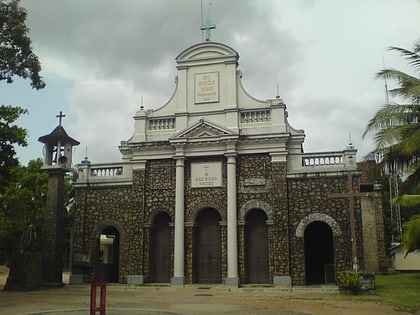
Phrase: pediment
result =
(207, 51)
(203, 129)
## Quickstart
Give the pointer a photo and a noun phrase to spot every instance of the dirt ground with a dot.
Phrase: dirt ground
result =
(194, 299)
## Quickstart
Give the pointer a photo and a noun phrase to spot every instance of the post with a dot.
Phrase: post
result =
(102, 298)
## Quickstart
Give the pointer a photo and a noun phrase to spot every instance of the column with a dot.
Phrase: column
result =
(53, 230)
(232, 242)
(178, 278)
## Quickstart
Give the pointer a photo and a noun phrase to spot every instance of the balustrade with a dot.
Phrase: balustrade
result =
(161, 123)
(255, 116)
(106, 171)
(322, 160)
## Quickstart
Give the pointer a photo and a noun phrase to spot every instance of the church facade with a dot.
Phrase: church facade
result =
(214, 187)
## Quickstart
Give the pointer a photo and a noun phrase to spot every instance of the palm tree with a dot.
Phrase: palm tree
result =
(397, 130)
(397, 125)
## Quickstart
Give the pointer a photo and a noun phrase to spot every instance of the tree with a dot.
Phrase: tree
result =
(411, 236)
(397, 136)
(10, 135)
(397, 126)
(16, 55)
(16, 58)
(23, 204)
(19, 196)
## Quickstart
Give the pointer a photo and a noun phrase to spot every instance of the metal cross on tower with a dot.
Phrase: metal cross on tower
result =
(207, 27)
(60, 117)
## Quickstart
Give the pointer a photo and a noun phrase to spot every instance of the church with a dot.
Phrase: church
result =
(214, 188)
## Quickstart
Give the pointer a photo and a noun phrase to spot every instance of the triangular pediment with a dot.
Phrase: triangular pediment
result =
(203, 129)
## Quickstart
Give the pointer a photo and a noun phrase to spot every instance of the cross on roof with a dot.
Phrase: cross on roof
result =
(60, 117)
(207, 27)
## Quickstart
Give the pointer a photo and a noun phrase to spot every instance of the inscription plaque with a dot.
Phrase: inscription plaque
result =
(208, 174)
(206, 87)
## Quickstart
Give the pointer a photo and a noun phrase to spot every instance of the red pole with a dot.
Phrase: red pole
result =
(92, 298)
(102, 301)
(103, 298)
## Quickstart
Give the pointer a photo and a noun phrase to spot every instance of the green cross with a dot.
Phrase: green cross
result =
(207, 27)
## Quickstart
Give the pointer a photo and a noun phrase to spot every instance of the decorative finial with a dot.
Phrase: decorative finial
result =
(60, 117)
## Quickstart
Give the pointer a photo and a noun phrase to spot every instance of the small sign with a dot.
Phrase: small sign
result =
(207, 174)
(207, 87)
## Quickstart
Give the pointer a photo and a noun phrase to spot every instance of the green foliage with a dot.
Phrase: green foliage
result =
(407, 200)
(22, 204)
(411, 235)
(29, 239)
(399, 290)
(10, 135)
(349, 280)
(397, 126)
(16, 55)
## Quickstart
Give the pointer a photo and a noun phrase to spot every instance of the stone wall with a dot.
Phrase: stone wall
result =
(308, 196)
(290, 204)
(373, 229)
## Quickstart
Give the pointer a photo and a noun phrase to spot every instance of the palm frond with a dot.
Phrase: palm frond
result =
(409, 86)
(391, 115)
(407, 200)
(412, 56)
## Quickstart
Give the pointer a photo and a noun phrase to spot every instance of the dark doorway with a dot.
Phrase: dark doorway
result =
(161, 249)
(208, 260)
(319, 252)
(256, 247)
(109, 251)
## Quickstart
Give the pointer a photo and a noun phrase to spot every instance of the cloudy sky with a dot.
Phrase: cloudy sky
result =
(101, 57)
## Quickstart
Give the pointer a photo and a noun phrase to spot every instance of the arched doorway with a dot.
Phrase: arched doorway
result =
(161, 249)
(256, 247)
(319, 252)
(208, 253)
(109, 251)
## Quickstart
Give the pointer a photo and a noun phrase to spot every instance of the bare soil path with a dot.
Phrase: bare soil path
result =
(124, 299)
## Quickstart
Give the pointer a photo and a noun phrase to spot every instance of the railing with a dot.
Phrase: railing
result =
(104, 174)
(161, 123)
(307, 163)
(106, 171)
(322, 160)
(256, 116)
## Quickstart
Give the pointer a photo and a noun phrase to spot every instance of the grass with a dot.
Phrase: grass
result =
(401, 290)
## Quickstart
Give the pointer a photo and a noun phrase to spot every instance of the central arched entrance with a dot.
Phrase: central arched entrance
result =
(256, 247)
(207, 252)
(319, 252)
(109, 251)
(161, 249)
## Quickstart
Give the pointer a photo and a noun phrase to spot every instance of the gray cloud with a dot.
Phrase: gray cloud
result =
(322, 56)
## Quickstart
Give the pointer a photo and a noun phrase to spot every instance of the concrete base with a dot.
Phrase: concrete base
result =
(178, 281)
(233, 282)
(285, 281)
(135, 279)
(75, 278)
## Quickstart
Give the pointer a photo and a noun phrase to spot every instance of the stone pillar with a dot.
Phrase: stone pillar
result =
(53, 232)
(178, 278)
(232, 239)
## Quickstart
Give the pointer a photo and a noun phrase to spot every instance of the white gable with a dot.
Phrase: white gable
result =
(210, 103)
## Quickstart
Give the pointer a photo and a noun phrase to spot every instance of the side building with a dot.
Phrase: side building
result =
(214, 187)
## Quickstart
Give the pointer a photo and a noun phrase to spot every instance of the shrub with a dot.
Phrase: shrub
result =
(349, 280)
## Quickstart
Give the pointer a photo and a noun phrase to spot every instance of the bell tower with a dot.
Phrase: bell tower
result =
(57, 153)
